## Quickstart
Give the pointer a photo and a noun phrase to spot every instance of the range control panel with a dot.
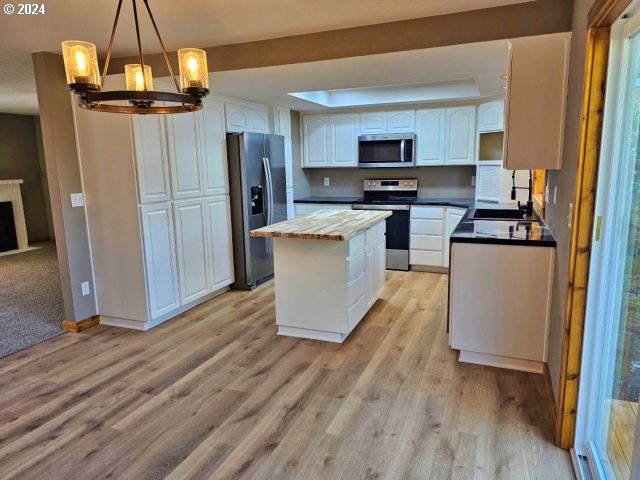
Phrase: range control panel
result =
(382, 185)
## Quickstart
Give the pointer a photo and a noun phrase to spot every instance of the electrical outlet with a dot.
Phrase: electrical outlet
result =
(473, 181)
(85, 288)
(555, 194)
(570, 216)
(77, 200)
(326, 181)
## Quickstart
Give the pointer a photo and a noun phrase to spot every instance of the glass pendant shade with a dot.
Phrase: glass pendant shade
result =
(81, 65)
(194, 74)
(135, 80)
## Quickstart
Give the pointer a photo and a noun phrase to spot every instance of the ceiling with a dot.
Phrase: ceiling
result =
(197, 23)
(483, 64)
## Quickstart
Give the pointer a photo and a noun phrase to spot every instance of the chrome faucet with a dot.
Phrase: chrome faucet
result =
(528, 208)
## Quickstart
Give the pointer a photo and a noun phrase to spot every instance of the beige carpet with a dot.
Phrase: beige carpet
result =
(31, 308)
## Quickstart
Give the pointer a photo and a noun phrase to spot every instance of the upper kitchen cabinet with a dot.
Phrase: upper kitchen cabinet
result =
(536, 101)
(185, 155)
(430, 136)
(401, 121)
(151, 157)
(213, 148)
(316, 144)
(491, 116)
(460, 135)
(344, 140)
(243, 118)
(373, 123)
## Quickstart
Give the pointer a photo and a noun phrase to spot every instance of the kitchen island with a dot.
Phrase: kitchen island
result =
(329, 268)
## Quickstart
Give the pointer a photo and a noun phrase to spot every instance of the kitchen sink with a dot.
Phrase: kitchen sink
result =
(497, 214)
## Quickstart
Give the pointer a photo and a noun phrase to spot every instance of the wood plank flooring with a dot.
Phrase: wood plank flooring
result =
(216, 394)
(622, 427)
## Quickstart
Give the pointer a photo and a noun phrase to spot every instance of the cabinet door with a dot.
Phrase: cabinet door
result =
(184, 155)
(283, 121)
(213, 148)
(152, 164)
(489, 183)
(381, 266)
(454, 215)
(258, 120)
(491, 116)
(402, 121)
(317, 140)
(241, 118)
(344, 135)
(191, 246)
(160, 259)
(430, 132)
(461, 135)
(371, 274)
(219, 241)
(373, 123)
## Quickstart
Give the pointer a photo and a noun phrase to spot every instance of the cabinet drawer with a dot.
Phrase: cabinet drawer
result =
(357, 312)
(425, 257)
(356, 265)
(427, 212)
(356, 244)
(356, 289)
(426, 242)
(427, 227)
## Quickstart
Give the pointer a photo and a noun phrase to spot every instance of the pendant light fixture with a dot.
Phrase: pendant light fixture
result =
(84, 79)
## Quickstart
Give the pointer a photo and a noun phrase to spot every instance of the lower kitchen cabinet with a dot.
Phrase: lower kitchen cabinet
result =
(430, 228)
(454, 215)
(218, 216)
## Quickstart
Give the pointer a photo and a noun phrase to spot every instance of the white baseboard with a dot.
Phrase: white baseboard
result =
(312, 334)
(501, 362)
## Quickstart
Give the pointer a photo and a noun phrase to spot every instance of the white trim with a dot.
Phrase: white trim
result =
(501, 362)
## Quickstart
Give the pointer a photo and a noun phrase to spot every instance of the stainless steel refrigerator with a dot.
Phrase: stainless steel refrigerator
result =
(258, 198)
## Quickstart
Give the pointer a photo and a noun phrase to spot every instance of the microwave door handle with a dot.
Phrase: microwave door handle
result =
(402, 157)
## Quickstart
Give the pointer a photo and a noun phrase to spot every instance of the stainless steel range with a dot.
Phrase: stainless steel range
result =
(395, 195)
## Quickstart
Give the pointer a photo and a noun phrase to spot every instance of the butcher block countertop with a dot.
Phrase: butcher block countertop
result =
(326, 224)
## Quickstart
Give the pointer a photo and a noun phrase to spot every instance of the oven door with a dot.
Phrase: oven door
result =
(397, 234)
(378, 151)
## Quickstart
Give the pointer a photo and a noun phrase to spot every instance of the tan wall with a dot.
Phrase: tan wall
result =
(19, 160)
(61, 157)
(519, 20)
(565, 181)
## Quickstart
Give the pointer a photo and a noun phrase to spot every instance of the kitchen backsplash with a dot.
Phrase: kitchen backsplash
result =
(454, 182)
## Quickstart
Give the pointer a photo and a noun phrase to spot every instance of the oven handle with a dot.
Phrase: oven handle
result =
(381, 207)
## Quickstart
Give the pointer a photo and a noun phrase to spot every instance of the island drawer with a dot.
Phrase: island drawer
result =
(427, 212)
(356, 265)
(356, 289)
(356, 244)
(427, 227)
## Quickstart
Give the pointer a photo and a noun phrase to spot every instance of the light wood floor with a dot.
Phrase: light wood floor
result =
(622, 427)
(216, 394)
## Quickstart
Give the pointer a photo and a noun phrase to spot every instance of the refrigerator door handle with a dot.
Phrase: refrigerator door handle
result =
(267, 171)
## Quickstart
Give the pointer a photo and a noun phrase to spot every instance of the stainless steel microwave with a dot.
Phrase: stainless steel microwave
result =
(392, 150)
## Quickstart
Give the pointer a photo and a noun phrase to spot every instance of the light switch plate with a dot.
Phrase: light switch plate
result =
(85, 288)
(77, 200)
(326, 181)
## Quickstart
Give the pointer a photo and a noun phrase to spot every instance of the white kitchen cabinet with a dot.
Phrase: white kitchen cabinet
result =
(381, 264)
(460, 135)
(454, 215)
(213, 148)
(430, 136)
(536, 101)
(283, 127)
(426, 241)
(308, 208)
(344, 140)
(160, 258)
(316, 142)
(489, 181)
(185, 155)
(401, 121)
(151, 157)
(491, 116)
(376, 257)
(191, 249)
(218, 219)
(243, 118)
(373, 123)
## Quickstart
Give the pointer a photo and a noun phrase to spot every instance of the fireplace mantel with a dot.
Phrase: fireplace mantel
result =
(10, 192)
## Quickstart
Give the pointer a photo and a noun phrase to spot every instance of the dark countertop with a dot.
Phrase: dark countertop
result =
(446, 202)
(501, 232)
